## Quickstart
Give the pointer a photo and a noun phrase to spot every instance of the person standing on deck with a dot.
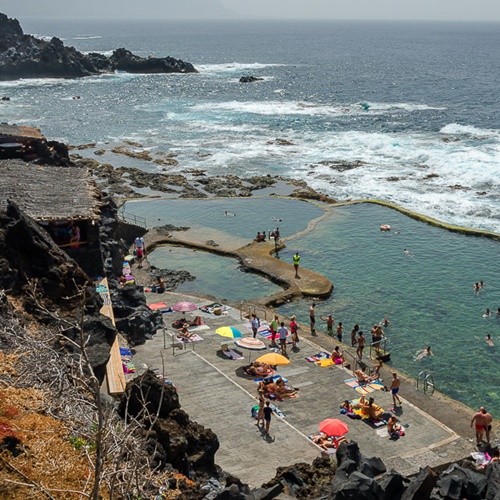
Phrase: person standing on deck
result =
(395, 384)
(255, 323)
(296, 262)
(487, 425)
(354, 332)
(294, 330)
(312, 318)
(274, 329)
(267, 416)
(361, 345)
(480, 420)
(283, 332)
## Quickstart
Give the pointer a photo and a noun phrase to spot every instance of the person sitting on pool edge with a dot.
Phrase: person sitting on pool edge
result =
(337, 356)
(393, 428)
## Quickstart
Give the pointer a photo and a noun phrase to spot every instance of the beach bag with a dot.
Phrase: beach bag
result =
(255, 411)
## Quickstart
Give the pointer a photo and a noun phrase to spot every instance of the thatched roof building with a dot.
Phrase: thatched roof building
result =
(48, 193)
(19, 133)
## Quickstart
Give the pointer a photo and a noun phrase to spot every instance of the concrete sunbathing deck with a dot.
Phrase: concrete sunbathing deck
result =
(214, 393)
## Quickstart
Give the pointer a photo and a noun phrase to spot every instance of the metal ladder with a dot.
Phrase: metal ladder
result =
(425, 383)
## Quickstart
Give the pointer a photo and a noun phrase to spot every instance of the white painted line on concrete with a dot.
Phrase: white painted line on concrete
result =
(253, 397)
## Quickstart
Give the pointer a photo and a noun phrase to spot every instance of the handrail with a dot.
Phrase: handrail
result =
(353, 360)
(425, 381)
(253, 310)
(133, 219)
(379, 345)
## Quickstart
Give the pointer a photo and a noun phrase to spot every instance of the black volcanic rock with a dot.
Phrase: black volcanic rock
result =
(24, 56)
(250, 79)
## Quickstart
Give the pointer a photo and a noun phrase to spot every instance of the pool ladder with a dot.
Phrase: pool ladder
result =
(425, 383)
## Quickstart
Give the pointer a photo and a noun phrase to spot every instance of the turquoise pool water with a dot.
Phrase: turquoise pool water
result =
(427, 295)
(217, 276)
(251, 214)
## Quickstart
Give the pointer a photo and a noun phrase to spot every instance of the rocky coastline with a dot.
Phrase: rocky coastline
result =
(24, 56)
(36, 280)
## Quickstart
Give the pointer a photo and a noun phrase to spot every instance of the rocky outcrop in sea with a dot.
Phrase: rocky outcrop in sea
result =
(24, 56)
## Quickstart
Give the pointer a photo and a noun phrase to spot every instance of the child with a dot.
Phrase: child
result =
(267, 416)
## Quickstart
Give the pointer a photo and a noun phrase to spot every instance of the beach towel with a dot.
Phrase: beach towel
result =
(128, 368)
(198, 328)
(158, 305)
(232, 354)
(193, 338)
(268, 335)
(277, 411)
(290, 395)
(124, 351)
(211, 308)
(324, 363)
(274, 377)
(364, 388)
(318, 357)
(382, 432)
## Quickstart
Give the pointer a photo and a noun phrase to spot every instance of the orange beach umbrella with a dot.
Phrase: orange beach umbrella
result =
(274, 359)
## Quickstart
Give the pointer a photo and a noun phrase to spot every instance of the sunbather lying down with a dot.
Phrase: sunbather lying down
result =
(180, 323)
(184, 332)
(324, 441)
(363, 378)
(258, 369)
(278, 388)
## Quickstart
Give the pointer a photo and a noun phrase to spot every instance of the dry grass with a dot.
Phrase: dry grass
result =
(49, 418)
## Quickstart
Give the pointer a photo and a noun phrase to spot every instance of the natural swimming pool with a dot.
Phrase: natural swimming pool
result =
(247, 215)
(217, 276)
(427, 295)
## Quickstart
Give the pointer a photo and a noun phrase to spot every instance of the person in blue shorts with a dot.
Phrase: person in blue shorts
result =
(395, 384)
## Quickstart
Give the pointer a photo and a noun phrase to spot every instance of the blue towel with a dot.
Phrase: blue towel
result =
(124, 351)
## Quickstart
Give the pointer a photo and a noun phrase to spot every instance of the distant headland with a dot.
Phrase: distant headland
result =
(24, 56)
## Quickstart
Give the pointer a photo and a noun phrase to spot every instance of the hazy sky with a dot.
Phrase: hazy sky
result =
(370, 9)
(488, 10)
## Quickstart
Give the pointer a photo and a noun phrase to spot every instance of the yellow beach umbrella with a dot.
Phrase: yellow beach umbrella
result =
(274, 359)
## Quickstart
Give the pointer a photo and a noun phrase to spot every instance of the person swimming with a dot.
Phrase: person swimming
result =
(488, 340)
(423, 353)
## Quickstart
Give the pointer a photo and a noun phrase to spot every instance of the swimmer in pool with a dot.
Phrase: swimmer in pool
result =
(423, 353)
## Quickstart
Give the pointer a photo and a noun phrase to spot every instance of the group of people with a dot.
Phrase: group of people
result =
(482, 421)
(280, 331)
(275, 234)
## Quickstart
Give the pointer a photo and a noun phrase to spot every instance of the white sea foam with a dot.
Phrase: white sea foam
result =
(107, 53)
(86, 37)
(469, 130)
(46, 38)
(233, 67)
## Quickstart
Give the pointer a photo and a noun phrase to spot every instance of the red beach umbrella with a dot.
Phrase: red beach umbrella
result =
(333, 427)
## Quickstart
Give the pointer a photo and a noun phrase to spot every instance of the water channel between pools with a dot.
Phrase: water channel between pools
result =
(426, 294)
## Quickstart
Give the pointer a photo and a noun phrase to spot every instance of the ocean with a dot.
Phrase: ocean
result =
(405, 112)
